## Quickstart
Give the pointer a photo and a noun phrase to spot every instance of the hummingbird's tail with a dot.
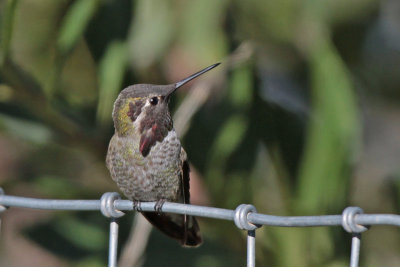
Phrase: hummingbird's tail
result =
(183, 228)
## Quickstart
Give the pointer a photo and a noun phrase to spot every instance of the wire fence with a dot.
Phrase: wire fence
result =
(245, 217)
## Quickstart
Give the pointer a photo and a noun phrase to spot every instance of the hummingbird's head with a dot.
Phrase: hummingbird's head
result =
(142, 109)
(139, 105)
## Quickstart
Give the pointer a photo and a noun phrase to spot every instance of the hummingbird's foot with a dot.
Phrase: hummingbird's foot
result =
(137, 206)
(158, 205)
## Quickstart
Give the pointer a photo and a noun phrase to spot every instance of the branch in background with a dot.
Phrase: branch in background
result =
(201, 91)
(29, 93)
(134, 248)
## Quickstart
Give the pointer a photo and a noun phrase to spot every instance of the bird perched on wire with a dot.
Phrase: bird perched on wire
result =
(145, 157)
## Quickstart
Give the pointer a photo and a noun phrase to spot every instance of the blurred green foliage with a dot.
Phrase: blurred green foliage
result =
(282, 126)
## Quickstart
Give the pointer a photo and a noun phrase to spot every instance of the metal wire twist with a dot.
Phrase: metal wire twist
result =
(108, 209)
(107, 206)
(348, 220)
(349, 224)
(240, 217)
(241, 220)
(2, 207)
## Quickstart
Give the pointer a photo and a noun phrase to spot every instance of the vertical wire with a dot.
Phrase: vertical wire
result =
(113, 243)
(251, 248)
(355, 250)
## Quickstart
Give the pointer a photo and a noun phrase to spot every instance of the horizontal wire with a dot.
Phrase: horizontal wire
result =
(201, 211)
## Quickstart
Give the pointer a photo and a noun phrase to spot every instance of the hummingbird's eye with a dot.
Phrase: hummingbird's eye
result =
(154, 101)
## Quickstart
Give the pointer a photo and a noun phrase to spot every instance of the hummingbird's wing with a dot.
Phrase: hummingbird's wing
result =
(185, 178)
(184, 228)
(192, 230)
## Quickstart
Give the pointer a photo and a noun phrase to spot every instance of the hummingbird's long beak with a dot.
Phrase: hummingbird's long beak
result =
(191, 77)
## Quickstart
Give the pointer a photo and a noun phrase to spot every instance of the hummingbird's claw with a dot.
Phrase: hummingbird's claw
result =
(137, 206)
(158, 205)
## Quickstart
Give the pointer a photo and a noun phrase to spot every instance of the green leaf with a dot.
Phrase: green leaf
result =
(75, 23)
(7, 23)
(203, 37)
(56, 187)
(82, 234)
(24, 129)
(227, 140)
(151, 32)
(90, 262)
(332, 137)
(111, 73)
(241, 89)
(229, 137)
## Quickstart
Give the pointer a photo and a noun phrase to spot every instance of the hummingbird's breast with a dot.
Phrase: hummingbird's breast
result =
(146, 178)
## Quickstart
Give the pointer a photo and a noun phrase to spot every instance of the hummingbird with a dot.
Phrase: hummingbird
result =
(146, 160)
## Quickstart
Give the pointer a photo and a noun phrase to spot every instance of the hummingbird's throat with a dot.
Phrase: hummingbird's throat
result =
(134, 118)
(153, 127)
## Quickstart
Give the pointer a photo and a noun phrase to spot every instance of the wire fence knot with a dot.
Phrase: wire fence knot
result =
(2, 207)
(240, 217)
(348, 220)
(107, 207)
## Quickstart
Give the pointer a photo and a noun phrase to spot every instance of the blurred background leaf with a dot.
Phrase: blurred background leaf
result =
(111, 73)
(7, 28)
(74, 23)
